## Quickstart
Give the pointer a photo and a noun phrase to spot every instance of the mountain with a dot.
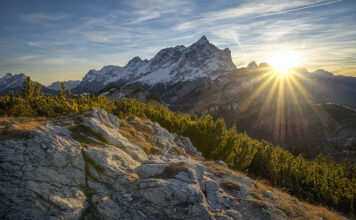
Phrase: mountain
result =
(307, 112)
(97, 166)
(168, 67)
(70, 84)
(14, 82)
(202, 79)
(130, 91)
(11, 82)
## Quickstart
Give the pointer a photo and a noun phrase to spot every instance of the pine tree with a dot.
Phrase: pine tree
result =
(62, 92)
(38, 87)
(28, 88)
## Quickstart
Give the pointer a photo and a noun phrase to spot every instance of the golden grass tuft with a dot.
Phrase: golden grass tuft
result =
(179, 151)
(230, 185)
(172, 170)
(217, 169)
(21, 126)
(140, 136)
(291, 206)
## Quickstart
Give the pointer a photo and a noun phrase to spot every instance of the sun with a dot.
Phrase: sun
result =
(282, 61)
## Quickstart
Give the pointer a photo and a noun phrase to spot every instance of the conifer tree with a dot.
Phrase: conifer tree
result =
(62, 92)
(38, 87)
(28, 88)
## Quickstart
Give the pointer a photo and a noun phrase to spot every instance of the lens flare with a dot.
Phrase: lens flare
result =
(282, 61)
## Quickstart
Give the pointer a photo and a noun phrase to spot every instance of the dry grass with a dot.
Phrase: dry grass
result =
(172, 170)
(178, 151)
(132, 177)
(140, 135)
(230, 185)
(291, 206)
(20, 127)
(217, 169)
(142, 126)
(320, 211)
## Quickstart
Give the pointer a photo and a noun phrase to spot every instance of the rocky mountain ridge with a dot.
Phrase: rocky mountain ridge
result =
(70, 84)
(14, 82)
(96, 166)
(169, 66)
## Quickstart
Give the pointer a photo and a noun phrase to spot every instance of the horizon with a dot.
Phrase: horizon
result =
(63, 41)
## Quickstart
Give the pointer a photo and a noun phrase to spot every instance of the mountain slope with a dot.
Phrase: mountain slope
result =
(95, 166)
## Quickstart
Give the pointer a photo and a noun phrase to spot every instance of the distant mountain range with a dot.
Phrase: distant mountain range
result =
(14, 82)
(70, 84)
(170, 66)
(202, 79)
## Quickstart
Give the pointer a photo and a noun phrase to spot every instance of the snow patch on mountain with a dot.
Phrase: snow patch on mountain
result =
(11, 81)
(168, 66)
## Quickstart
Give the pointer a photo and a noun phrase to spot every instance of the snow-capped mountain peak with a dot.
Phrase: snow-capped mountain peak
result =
(170, 65)
(202, 41)
(11, 81)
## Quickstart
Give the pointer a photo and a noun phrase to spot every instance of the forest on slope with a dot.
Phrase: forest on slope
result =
(320, 181)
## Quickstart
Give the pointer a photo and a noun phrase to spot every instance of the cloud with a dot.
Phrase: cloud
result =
(145, 15)
(251, 10)
(17, 59)
(40, 17)
(34, 44)
(144, 10)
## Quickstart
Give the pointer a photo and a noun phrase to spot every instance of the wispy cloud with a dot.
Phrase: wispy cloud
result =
(252, 10)
(40, 16)
(56, 44)
(145, 15)
(34, 44)
(5, 61)
(298, 9)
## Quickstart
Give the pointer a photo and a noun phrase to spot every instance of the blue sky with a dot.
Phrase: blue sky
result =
(60, 40)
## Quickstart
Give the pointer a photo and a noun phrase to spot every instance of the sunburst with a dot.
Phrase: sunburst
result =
(282, 61)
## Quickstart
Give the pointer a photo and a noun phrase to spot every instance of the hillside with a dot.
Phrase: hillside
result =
(319, 181)
(96, 166)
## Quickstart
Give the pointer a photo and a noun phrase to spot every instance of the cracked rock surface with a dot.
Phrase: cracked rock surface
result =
(93, 170)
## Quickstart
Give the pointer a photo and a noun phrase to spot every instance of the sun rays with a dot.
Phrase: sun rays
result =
(281, 100)
(282, 61)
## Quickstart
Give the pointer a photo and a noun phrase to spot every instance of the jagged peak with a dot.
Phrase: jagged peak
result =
(201, 42)
(252, 65)
(109, 68)
(10, 75)
(134, 60)
(322, 72)
(203, 39)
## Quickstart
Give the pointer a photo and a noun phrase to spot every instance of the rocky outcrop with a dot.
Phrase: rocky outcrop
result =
(90, 167)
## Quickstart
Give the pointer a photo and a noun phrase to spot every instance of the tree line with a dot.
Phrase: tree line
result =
(320, 181)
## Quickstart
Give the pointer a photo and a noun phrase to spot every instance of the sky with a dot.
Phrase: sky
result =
(52, 40)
